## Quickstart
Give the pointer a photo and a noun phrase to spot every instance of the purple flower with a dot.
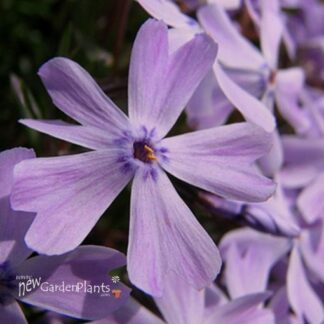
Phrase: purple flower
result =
(313, 101)
(70, 193)
(301, 295)
(302, 32)
(208, 107)
(275, 214)
(304, 160)
(218, 91)
(249, 257)
(281, 86)
(280, 306)
(170, 13)
(255, 74)
(227, 4)
(131, 313)
(256, 9)
(304, 170)
(310, 201)
(194, 4)
(182, 304)
(272, 216)
(305, 268)
(86, 264)
(236, 53)
(307, 25)
(13, 247)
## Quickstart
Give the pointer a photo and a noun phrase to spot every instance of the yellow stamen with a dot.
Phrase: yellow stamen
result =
(150, 153)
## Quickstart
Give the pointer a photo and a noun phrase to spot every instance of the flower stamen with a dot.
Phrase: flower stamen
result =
(144, 152)
(149, 153)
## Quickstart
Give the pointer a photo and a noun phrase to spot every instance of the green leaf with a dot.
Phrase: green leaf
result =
(66, 42)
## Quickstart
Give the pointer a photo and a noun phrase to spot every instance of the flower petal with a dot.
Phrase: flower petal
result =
(131, 313)
(272, 162)
(312, 248)
(74, 92)
(274, 215)
(310, 201)
(178, 37)
(86, 136)
(165, 236)
(160, 85)
(148, 63)
(227, 4)
(234, 50)
(249, 257)
(243, 310)
(214, 297)
(304, 159)
(168, 12)
(208, 107)
(280, 306)
(303, 152)
(271, 31)
(181, 303)
(255, 15)
(13, 228)
(253, 10)
(220, 160)
(290, 83)
(13, 224)
(303, 299)
(12, 313)
(86, 266)
(251, 108)
(69, 194)
(252, 81)
(8, 159)
(297, 176)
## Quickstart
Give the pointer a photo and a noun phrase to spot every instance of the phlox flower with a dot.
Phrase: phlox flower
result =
(293, 266)
(70, 193)
(241, 60)
(250, 257)
(182, 304)
(241, 73)
(215, 97)
(304, 171)
(85, 264)
(272, 216)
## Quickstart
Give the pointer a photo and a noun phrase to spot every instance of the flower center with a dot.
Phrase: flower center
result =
(143, 151)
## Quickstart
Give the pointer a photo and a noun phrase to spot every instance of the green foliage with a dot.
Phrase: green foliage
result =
(97, 34)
